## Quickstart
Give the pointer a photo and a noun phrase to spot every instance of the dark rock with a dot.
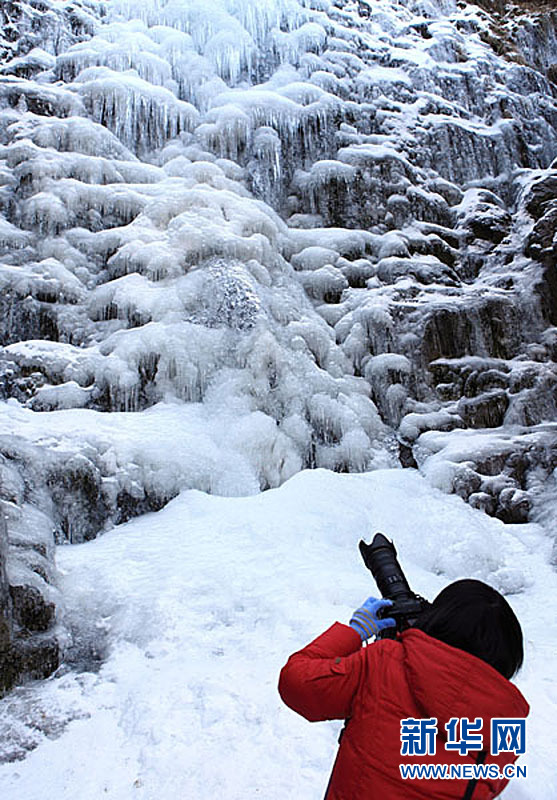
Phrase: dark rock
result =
(446, 335)
(490, 223)
(446, 371)
(483, 501)
(438, 247)
(523, 379)
(547, 291)
(492, 379)
(406, 456)
(550, 335)
(466, 482)
(448, 391)
(129, 505)
(493, 6)
(29, 646)
(31, 610)
(75, 488)
(357, 273)
(541, 194)
(517, 467)
(514, 505)
(36, 658)
(499, 324)
(484, 381)
(541, 243)
(485, 411)
(5, 598)
(26, 318)
(489, 329)
(471, 385)
(491, 464)
(426, 270)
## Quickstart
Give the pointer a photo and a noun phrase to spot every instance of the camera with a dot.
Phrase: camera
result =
(381, 559)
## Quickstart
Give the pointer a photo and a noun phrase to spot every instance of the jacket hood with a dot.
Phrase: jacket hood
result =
(448, 682)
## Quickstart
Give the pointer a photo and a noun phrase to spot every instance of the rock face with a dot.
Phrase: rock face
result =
(29, 645)
(237, 242)
(5, 600)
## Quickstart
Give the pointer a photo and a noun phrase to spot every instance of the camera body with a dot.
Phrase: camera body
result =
(381, 559)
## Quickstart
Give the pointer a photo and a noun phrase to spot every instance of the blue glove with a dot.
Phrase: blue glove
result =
(365, 621)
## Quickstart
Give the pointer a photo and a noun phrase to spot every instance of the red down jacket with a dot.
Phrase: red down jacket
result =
(377, 686)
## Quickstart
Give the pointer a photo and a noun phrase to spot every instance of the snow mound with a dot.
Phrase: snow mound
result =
(197, 607)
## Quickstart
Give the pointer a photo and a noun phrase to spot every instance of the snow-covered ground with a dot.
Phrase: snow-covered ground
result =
(194, 609)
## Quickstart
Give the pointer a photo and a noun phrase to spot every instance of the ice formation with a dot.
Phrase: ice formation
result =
(239, 239)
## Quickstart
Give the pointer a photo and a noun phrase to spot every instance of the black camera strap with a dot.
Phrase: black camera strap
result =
(473, 781)
(341, 734)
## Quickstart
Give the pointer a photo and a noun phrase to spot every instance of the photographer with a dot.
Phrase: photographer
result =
(454, 662)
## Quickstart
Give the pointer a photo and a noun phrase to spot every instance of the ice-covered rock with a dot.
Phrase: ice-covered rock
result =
(297, 233)
(29, 641)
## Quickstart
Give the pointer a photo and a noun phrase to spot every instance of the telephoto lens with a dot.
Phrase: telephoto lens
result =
(380, 558)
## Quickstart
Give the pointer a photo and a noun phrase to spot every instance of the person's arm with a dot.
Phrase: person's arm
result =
(320, 681)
